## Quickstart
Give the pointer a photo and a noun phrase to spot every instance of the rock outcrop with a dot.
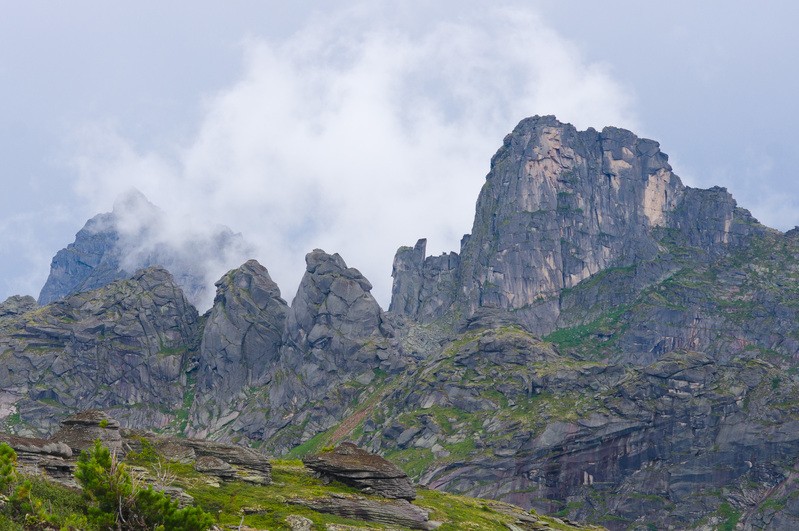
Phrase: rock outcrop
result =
(558, 206)
(224, 461)
(358, 468)
(670, 336)
(240, 346)
(607, 343)
(16, 305)
(81, 430)
(36, 456)
(126, 346)
(336, 342)
(424, 287)
(391, 512)
(56, 457)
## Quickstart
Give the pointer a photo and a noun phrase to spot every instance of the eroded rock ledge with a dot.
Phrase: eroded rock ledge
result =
(363, 470)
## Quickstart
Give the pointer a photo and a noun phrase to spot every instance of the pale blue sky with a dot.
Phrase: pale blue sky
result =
(359, 127)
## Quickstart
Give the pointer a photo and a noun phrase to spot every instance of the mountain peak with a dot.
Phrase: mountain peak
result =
(559, 206)
(134, 235)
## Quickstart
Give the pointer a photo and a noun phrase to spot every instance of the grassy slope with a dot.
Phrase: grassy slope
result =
(291, 479)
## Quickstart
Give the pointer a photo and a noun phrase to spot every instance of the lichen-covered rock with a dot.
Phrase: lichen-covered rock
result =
(125, 346)
(210, 465)
(245, 463)
(299, 523)
(369, 472)
(607, 343)
(559, 206)
(424, 287)
(16, 305)
(335, 343)
(36, 456)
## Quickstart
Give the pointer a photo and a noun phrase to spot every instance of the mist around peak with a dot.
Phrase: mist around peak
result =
(138, 234)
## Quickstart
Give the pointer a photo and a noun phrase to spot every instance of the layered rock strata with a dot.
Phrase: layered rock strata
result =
(361, 469)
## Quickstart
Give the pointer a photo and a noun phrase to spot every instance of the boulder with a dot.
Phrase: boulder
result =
(81, 430)
(361, 469)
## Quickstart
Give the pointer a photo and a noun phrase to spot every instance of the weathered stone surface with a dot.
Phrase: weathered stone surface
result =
(240, 346)
(81, 430)
(16, 305)
(126, 344)
(393, 512)
(558, 206)
(37, 456)
(216, 458)
(369, 472)
(88, 263)
(299, 523)
(424, 287)
(214, 466)
(336, 340)
(32, 445)
(662, 392)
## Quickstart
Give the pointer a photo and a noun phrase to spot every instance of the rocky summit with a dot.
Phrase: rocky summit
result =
(607, 344)
(134, 235)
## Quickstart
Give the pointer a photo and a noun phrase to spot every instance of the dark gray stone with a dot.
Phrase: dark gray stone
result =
(369, 472)
(391, 512)
(240, 346)
(126, 344)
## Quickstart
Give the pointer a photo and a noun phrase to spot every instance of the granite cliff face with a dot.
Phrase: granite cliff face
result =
(669, 331)
(337, 345)
(607, 343)
(279, 375)
(240, 345)
(123, 347)
(559, 206)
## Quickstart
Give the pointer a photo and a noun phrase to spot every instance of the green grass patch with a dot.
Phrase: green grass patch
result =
(586, 335)
(729, 517)
(312, 446)
(414, 461)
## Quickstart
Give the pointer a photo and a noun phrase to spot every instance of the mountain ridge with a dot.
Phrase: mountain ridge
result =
(607, 343)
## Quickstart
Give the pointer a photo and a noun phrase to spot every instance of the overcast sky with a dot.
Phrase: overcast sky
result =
(358, 127)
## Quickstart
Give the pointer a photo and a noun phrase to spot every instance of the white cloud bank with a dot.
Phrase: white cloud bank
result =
(356, 135)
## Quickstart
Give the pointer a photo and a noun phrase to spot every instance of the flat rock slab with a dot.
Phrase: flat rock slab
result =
(81, 430)
(214, 466)
(391, 512)
(363, 470)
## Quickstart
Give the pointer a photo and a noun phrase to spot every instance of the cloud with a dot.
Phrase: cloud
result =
(359, 133)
